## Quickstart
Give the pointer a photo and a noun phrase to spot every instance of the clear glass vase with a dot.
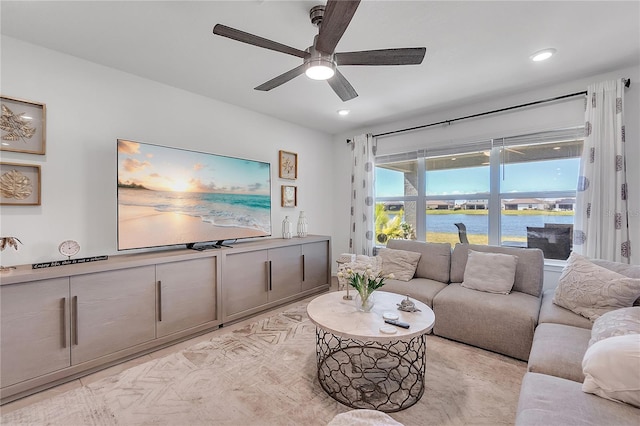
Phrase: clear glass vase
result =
(366, 304)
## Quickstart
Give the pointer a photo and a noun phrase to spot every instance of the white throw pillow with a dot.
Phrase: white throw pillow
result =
(616, 323)
(490, 272)
(591, 290)
(612, 369)
(401, 263)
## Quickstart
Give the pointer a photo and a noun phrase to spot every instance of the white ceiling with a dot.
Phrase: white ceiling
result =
(476, 50)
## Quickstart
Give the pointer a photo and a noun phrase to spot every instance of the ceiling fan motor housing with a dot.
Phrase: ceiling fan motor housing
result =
(316, 13)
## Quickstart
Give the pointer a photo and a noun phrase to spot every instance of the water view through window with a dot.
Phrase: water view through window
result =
(534, 205)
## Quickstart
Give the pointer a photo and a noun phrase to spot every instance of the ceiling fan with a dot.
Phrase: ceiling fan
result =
(320, 61)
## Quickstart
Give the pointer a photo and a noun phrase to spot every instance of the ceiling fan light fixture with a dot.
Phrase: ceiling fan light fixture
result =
(319, 66)
(321, 71)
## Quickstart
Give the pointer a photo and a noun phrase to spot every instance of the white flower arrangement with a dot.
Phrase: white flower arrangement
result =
(365, 282)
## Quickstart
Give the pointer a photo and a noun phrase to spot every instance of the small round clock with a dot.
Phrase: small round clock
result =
(69, 248)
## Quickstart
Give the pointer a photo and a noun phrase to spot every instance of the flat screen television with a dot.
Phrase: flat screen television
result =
(170, 196)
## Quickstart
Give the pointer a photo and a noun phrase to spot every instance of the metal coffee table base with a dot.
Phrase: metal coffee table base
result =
(387, 377)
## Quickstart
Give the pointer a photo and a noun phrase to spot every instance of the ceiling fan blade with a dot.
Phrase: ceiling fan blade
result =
(281, 79)
(336, 18)
(232, 33)
(342, 87)
(406, 56)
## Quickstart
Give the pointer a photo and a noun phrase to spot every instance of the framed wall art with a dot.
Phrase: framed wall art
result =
(288, 162)
(22, 126)
(19, 184)
(289, 196)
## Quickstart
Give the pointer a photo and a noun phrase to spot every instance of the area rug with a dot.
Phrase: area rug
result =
(265, 374)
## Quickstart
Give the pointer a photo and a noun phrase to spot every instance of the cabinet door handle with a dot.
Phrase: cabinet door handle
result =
(74, 311)
(303, 264)
(270, 274)
(64, 322)
(159, 284)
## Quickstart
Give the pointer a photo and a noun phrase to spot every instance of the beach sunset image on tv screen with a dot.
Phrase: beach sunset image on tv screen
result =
(170, 196)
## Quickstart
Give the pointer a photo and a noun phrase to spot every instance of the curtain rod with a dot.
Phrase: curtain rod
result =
(557, 98)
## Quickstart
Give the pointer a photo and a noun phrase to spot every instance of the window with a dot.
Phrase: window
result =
(396, 196)
(517, 191)
(457, 189)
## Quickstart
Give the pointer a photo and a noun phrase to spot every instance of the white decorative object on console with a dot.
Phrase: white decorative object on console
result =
(303, 226)
(286, 228)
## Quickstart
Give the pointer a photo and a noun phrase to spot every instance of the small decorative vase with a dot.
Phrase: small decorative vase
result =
(286, 228)
(364, 305)
(303, 226)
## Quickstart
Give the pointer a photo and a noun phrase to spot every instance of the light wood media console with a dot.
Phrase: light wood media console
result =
(60, 323)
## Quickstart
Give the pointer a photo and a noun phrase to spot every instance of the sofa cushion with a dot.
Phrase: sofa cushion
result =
(612, 369)
(548, 400)
(401, 263)
(529, 271)
(591, 290)
(616, 323)
(552, 313)
(497, 322)
(422, 289)
(631, 271)
(435, 259)
(557, 350)
(490, 272)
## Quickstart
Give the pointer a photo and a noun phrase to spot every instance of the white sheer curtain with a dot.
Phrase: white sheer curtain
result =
(362, 196)
(601, 226)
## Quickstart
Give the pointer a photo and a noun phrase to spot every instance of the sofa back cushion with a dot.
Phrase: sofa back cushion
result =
(529, 269)
(631, 271)
(435, 259)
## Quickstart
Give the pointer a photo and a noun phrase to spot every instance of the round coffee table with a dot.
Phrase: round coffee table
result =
(359, 365)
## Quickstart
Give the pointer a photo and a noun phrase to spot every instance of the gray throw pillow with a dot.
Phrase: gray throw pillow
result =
(591, 291)
(401, 263)
(490, 272)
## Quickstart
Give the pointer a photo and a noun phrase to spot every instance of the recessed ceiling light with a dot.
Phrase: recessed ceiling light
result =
(542, 55)
(343, 111)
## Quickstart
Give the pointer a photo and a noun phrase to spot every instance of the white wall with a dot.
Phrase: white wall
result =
(89, 106)
(546, 117)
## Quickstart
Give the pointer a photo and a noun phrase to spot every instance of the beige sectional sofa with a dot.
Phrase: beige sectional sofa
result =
(524, 324)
